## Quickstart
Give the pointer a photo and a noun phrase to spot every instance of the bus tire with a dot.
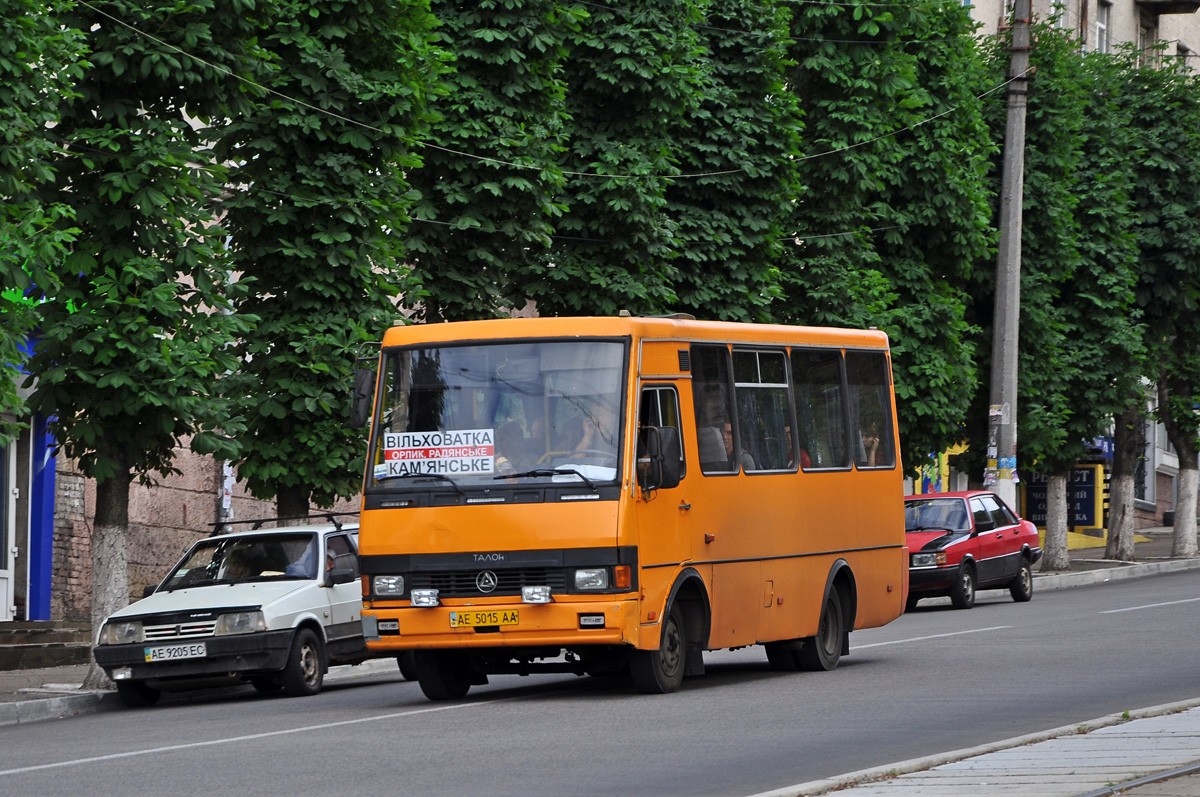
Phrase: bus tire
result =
(408, 665)
(135, 694)
(823, 651)
(784, 655)
(660, 671)
(441, 675)
(304, 672)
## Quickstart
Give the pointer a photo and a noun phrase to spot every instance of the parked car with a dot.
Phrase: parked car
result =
(962, 542)
(270, 607)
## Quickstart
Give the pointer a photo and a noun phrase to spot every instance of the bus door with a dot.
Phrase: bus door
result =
(663, 522)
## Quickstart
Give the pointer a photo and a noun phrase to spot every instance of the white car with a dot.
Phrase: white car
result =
(271, 607)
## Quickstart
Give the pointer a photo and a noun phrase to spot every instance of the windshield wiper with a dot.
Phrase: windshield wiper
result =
(928, 528)
(424, 476)
(549, 472)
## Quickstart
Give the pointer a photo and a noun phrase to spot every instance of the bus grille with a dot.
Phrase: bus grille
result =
(461, 583)
(179, 630)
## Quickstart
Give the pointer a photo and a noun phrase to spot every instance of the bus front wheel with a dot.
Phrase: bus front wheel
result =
(659, 671)
(441, 675)
(824, 651)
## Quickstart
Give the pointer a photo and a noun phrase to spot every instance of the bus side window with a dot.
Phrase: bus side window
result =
(764, 409)
(660, 407)
(870, 409)
(711, 394)
(821, 438)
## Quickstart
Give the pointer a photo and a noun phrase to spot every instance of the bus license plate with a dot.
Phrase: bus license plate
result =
(478, 618)
(194, 650)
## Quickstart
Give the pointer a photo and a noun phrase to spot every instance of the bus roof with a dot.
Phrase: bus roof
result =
(660, 328)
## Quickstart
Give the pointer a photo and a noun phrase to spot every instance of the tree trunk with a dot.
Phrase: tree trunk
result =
(1185, 444)
(1055, 555)
(1185, 508)
(110, 563)
(292, 502)
(1127, 445)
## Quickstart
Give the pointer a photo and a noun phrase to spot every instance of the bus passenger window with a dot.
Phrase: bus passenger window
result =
(870, 409)
(764, 409)
(711, 393)
(817, 375)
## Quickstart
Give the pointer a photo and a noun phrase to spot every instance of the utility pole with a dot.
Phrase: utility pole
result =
(1001, 472)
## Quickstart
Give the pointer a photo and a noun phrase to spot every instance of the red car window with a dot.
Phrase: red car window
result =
(983, 518)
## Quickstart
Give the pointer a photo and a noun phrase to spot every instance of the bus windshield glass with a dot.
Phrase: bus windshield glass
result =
(482, 415)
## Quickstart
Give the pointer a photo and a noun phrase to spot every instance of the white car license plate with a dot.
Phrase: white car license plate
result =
(193, 650)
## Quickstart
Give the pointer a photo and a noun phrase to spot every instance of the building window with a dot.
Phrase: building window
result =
(1103, 20)
(1145, 43)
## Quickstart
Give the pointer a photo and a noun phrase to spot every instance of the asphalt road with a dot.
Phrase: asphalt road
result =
(936, 680)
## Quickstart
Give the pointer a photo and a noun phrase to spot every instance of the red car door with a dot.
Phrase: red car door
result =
(989, 566)
(1008, 532)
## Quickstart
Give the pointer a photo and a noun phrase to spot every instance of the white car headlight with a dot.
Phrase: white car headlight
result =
(591, 578)
(388, 585)
(935, 559)
(119, 632)
(240, 623)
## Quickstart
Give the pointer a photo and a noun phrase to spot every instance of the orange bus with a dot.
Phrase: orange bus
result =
(618, 495)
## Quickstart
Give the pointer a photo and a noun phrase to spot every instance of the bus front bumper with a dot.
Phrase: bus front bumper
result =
(565, 623)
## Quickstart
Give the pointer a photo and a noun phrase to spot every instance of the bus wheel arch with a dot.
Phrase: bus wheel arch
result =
(690, 595)
(839, 608)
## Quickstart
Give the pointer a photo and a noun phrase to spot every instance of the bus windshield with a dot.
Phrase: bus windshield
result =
(480, 415)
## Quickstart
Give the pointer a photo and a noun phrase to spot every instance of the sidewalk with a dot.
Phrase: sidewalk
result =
(1153, 752)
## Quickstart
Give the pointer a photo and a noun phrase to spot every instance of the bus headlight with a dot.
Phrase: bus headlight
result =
(392, 586)
(591, 578)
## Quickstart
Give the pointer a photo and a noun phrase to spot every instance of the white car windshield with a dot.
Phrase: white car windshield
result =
(232, 560)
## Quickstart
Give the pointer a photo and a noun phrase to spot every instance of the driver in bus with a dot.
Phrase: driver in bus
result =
(599, 431)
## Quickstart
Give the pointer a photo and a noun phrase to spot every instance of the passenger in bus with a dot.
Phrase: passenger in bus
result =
(510, 453)
(866, 454)
(791, 449)
(742, 456)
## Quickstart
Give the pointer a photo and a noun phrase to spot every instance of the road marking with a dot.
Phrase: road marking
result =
(1150, 606)
(247, 737)
(919, 638)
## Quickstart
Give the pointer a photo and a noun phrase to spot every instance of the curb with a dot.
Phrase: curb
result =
(58, 707)
(1120, 573)
(73, 705)
(889, 771)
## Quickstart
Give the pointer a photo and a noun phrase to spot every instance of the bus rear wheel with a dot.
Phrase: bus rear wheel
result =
(657, 672)
(824, 651)
(442, 675)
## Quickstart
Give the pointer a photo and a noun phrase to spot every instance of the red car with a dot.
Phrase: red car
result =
(961, 542)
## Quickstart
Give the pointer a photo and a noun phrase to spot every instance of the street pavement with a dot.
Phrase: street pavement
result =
(1152, 752)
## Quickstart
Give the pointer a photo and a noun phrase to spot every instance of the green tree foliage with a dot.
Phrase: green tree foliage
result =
(894, 211)
(741, 134)
(132, 340)
(39, 60)
(316, 208)
(631, 73)
(1165, 104)
(489, 181)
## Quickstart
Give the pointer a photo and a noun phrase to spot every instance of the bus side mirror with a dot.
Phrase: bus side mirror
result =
(658, 460)
(364, 391)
